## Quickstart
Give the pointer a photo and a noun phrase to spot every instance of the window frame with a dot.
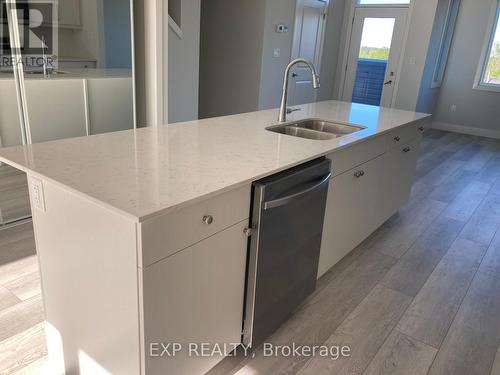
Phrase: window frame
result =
(479, 83)
(445, 43)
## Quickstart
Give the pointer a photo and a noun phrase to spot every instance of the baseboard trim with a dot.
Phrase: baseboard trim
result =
(481, 132)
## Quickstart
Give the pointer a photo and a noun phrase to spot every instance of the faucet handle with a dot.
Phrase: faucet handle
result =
(290, 110)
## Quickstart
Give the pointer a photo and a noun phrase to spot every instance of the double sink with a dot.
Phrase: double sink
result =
(315, 129)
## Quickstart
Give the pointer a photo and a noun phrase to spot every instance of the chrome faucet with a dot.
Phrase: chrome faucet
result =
(47, 70)
(284, 95)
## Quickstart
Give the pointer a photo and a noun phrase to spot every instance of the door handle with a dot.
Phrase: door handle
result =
(388, 82)
(290, 198)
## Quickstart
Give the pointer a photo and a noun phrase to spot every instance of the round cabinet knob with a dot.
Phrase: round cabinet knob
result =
(359, 174)
(421, 128)
(208, 219)
(407, 149)
(397, 138)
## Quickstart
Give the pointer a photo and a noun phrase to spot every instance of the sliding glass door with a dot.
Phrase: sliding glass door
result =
(66, 72)
(14, 201)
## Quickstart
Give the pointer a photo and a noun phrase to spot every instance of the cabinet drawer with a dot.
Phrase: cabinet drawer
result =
(405, 134)
(165, 235)
(358, 154)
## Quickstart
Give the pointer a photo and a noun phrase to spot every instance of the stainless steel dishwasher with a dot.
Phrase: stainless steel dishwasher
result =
(287, 219)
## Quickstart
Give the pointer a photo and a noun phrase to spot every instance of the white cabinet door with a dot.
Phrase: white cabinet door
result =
(399, 173)
(356, 206)
(351, 212)
(195, 296)
(56, 108)
(111, 104)
(69, 13)
(10, 126)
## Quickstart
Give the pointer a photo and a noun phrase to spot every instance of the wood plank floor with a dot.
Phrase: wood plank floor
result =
(420, 296)
(22, 339)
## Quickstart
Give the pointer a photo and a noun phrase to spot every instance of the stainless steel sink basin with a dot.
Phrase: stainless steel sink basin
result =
(315, 129)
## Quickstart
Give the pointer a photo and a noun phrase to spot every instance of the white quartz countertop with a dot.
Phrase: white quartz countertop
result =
(148, 171)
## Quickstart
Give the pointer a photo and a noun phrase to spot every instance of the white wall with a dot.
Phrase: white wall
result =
(88, 40)
(277, 12)
(230, 56)
(475, 109)
(183, 64)
(242, 33)
(428, 96)
(332, 49)
(415, 54)
(347, 21)
(91, 35)
(283, 11)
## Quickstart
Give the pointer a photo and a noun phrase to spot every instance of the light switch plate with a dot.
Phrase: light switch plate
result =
(280, 28)
(37, 196)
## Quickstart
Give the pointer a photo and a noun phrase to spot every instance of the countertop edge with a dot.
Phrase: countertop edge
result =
(65, 187)
(201, 197)
(227, 188)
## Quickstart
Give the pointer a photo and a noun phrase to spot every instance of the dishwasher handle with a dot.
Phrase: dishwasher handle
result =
(290, 198)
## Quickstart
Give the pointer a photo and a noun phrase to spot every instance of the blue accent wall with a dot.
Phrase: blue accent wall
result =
(369, 81)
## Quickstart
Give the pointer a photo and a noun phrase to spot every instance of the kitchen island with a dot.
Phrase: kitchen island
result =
(127, 261)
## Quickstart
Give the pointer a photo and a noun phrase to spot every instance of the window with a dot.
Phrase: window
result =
(488, 76)
(383, 2)
(444, 48)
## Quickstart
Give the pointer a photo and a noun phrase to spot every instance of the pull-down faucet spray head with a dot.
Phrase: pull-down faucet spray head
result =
(315, 84)
(315, 79)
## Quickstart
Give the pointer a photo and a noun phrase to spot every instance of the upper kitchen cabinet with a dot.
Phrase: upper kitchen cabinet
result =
(69, 13)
